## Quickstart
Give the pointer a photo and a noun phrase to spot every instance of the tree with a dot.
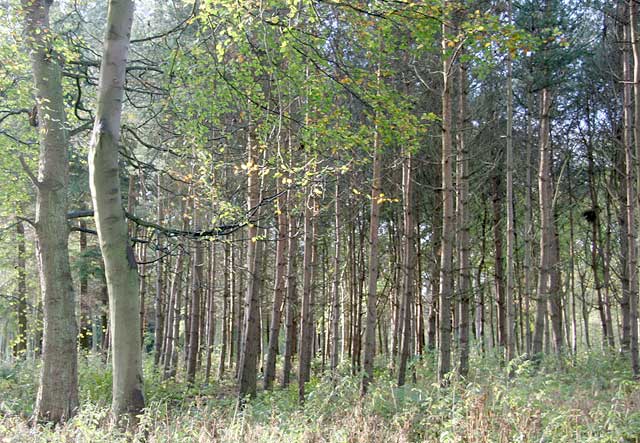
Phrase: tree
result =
(57, 398)
(119, 261)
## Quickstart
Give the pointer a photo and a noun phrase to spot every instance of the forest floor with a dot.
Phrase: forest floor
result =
(592, 399)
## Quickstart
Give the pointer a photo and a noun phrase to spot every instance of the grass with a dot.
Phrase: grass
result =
(594, 399)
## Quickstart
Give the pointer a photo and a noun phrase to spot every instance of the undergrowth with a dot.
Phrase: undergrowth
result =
(592, 398)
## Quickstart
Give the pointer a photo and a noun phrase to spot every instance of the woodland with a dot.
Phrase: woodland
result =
(319, 220)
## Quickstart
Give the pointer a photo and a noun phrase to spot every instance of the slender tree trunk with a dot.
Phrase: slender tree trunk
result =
(446, 252)
(20, 346)
(279, 292)
(57, 398)
(226, 295)
(291, 302)
(464, 263)
(335, 288)
(498, 266)
(631, 192)
(528, 227)
(509, 297)
(547, 235)
(158, 298)
(306, 319)
(120, 265)
(197, 290)
(409, 257)
(247, 369)
(372, 287)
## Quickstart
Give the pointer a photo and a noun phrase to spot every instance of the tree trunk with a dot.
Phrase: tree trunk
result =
(226, 295)
(632, 168)
(409, 257)
(446, 250)
(20, 345)
(464, 264)
(158, 323)
(547, 234)
(279, 292)
(509, 297)
(372, 287)
(120, 265)
(335, 288)
(57, 398)
(291, 302)
(247, 370)
(196, 297)
(306, 315)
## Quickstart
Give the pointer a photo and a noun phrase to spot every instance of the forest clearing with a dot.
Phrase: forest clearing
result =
(319, 220)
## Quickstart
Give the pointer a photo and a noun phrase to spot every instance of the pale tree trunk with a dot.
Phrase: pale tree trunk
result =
(446, 248)
(409, 258)
(173, 327)
(120, 265)
(462, 171)
(335, 288)
(57, 398)
(247, 369)
(279, 291)
(631, 192)
(372, 280)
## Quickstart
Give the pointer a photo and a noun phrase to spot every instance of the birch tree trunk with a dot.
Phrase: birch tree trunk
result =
(120, 265)
(57, 398)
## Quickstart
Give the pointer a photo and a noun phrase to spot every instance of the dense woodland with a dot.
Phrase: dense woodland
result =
(319, 220)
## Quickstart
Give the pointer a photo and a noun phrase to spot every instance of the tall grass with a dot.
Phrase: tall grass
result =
(591, 399)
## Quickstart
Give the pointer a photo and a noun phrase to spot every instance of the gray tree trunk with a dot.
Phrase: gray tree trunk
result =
(57, 398)
(120, 265)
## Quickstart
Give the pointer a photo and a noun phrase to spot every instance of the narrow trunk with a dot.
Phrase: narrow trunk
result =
(279, 292)
(408, 285)
(372, 281)
(335, 288)
(247, 368)
(547, 235)
(446, 251)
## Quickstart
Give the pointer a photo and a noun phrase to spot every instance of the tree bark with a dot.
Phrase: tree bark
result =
(120, 265)
(57, 398)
